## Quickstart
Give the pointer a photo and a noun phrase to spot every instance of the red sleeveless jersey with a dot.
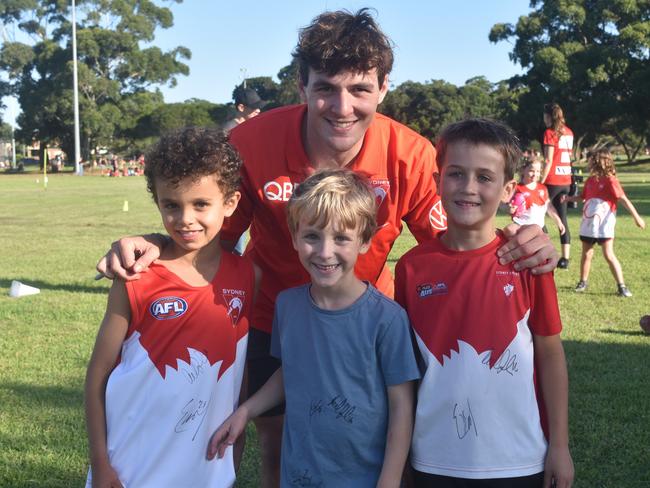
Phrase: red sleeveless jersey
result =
(179, 376)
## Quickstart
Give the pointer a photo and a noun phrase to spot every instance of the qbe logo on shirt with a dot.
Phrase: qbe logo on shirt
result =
(279, 190)
(166, 308)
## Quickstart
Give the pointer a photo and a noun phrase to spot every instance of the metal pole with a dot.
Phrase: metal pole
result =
(13, 148)
(75, 88)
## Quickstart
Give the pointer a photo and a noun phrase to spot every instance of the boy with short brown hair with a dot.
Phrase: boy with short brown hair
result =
(492, 405)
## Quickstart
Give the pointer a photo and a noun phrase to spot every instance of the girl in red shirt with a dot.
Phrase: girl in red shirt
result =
(558, 145)
(601, 193)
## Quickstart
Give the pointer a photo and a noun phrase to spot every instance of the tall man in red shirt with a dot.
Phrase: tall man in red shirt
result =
(344, 61)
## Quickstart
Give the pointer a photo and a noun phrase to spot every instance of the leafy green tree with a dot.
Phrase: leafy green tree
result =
(5, 131)
(288, 93)
(117, 67)
(477, 96)
(592, 57)
(425, 107)
(164, 117)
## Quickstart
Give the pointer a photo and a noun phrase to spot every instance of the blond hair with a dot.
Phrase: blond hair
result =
(338, 196)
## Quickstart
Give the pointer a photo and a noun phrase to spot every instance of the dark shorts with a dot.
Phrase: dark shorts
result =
(261, 365)
(594, 240)
(426, 480)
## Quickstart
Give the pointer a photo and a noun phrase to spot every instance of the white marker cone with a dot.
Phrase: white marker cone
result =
(125, 207)
(19, 289)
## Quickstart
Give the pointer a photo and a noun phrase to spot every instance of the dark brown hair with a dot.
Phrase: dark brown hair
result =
(482, 131)
(554, 111)
(192, 153)
(342, 41)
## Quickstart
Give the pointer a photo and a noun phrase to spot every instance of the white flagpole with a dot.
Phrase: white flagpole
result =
(75, 88)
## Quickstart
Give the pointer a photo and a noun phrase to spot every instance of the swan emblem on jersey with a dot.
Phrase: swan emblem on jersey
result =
(235, 302)
(508, 289)
(166, 308)
(381, 189)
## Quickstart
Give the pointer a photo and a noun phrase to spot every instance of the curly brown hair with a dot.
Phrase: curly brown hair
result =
(601, 162)
(477, 131)
(192, 153)
(342, 41)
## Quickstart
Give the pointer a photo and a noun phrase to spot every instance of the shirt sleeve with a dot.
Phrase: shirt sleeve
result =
(616, 188)
(424, 215)
(395, 350)
(544, 310)
(549, 138)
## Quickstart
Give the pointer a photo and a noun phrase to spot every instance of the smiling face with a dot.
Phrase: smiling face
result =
(472, 185)
(340, 108)
(193, 211)
(329, 254)
(532, 173)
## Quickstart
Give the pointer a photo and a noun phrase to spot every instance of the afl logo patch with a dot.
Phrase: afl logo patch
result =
(166, 308)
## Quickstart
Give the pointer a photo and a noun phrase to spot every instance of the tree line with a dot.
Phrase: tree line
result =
(590, 56)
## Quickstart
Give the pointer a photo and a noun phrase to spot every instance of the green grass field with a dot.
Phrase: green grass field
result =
(52, 238)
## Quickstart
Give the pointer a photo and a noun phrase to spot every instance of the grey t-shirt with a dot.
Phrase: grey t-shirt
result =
(336, 367)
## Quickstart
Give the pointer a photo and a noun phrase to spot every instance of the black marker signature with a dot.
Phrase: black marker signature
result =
(193, 410)
(464, 420)
(316, 408)
(304, 478)
(197, 364)
(344, 410)
(507, 363)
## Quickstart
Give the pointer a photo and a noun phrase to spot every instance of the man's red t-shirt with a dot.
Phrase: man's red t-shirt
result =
(399, 163)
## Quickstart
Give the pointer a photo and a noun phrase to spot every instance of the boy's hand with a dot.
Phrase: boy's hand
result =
(105, 477)
(130, 256)
(226, 435)
(530, 247)
(640, 223)
(558, 469)
(561, 228)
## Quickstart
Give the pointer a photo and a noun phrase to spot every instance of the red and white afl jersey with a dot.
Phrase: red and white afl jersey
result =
(178, 377)
(600, 195)
(535, 204)
(479, 413)
(560, 173)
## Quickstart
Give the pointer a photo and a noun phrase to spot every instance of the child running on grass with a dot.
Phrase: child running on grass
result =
(601, 194)
(169, 358)
(492, 405)
(530, 202)
(346, 352)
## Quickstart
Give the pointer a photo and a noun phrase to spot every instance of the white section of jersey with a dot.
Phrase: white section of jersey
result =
(565, 142)
(473, 421)
(535, 214)
(598, 219)
(158, 428)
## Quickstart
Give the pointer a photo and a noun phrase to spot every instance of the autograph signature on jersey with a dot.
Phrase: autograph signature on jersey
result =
(464, 420)
(507, 363)
(193, 411)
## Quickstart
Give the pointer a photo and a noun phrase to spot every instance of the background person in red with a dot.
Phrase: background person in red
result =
(344, 61)
(601, 194)
(558, 146)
